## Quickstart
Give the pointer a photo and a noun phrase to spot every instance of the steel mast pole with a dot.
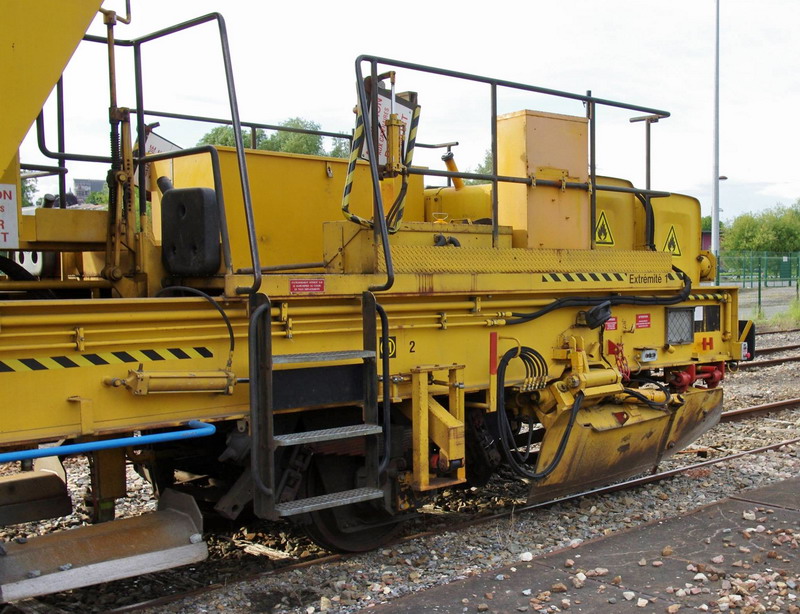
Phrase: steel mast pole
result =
(715, 181)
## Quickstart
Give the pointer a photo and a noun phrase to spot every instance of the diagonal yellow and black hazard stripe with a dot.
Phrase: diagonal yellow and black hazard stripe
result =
(706, 297)
(599, 277)
(583, 277)
(50, 363)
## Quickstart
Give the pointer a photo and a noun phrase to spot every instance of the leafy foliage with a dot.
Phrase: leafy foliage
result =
(705, 224)
(773, 230)
(28, 192)
(223, 135)
(98, 198)
(295, 142)
(340, 149)
(280, 140)
(484, 167)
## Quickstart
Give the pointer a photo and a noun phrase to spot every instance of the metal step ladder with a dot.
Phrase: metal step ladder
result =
(264, 402)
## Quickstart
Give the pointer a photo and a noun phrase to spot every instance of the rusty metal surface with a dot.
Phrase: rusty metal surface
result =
(700, 413)
(103, 552)
(744, 413)
(620, 554)
(598, 454)
(768, 362)
(594, 458)
(33, 495)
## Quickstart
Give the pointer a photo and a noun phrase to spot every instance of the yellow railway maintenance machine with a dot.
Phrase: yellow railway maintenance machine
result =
(327, 339)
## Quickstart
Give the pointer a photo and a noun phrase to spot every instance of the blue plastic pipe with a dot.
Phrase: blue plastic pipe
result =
(196, 429)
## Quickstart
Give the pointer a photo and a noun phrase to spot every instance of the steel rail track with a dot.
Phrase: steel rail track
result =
(776, 332)
(776, 349)
(769, 362)
(728, 416)
(733, 415)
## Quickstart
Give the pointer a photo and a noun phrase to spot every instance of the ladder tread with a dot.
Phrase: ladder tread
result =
(336, 499)
(340, 432)
(286, 359)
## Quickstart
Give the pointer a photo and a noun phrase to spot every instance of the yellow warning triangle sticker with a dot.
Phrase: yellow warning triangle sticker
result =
(602, 231)
(671, 245)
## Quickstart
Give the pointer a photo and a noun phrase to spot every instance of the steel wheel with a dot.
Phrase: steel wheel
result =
(352, 528)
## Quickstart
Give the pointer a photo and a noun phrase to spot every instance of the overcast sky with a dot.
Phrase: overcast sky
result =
(297, 59)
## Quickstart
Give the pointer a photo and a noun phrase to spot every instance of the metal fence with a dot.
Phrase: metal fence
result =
(769, 281)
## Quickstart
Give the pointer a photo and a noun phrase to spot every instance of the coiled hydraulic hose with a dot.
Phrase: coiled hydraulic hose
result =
(515, 459)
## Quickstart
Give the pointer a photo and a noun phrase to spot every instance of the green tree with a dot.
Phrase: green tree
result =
(295, 142)
(29, 191)
(340, 149)
(705, 224)
(280, 140)
(773, 230)
(484, 167)
(223, 135)
(98, 198)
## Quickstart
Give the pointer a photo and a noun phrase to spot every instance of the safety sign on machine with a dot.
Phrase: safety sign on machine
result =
(9, 228)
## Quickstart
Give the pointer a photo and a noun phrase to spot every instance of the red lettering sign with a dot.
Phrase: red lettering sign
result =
(9, 230)
(304, 286)
(708, 343)
(642, 320)
(611, 323)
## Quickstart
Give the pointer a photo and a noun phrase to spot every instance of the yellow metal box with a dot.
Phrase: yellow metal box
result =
(545, 146)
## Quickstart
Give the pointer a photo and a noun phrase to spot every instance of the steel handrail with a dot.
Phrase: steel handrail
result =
(370, 132)
(260, 374)
(236, 122)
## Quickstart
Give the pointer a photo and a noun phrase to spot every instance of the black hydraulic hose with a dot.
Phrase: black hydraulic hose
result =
(637, 395)
(387, 393)
(504, 427)
(521, 318)
(395, 215)
(524, 457)
(201, 294)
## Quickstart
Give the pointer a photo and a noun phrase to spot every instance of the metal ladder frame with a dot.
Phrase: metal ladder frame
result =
(265, 442)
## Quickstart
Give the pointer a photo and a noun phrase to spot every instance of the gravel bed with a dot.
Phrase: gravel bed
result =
(359, 581)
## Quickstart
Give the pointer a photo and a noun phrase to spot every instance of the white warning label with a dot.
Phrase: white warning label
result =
(9, 229)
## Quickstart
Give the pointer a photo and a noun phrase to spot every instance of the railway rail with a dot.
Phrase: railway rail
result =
(762, 333)
(769, 362)
(777, 349)
(283, 567)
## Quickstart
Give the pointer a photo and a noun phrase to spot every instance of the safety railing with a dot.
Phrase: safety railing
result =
(371, 138)
(62, 156)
